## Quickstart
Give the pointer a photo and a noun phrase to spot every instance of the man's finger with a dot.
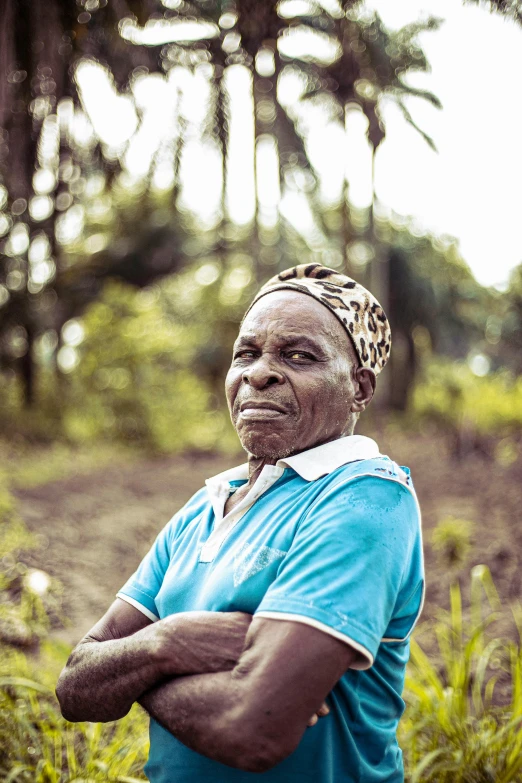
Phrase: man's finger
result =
(313, 720)
(323, 710)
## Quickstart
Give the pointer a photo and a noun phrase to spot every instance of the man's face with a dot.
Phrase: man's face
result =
(291, 384)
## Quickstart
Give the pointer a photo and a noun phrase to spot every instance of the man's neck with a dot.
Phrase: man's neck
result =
(256, 464)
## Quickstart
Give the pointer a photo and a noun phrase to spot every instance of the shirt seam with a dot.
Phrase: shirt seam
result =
(137, 605)
(139, 589)
(327, 629)
(284, 604)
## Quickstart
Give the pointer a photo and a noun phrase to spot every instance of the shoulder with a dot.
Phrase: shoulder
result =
(370, 490)
(377, 467)
(195, 506)
(197, 502)
(363, 476)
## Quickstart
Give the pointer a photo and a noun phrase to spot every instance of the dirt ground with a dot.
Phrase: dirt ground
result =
(98, 526)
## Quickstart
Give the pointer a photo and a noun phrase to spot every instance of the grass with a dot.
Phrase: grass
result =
(38, 746)
(463, 722)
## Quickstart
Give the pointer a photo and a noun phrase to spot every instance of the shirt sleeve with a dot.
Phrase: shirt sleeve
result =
(354, 565)
(142, 587)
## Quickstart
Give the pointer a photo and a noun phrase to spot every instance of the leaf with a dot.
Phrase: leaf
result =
(22, 682)
(425, 94)
(426, 668)
(125, 779)
(425, 763)
(12, 776)
(409, 119)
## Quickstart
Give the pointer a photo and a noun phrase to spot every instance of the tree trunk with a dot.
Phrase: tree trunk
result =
(27, 371)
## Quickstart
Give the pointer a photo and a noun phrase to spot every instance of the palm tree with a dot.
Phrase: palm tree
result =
(509, 8)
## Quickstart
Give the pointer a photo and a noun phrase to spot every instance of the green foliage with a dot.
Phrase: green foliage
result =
(146, 369)
(454, 398)
(38, 746)
(102, 217)
(432, 286)
(506, 332)
(451, 540)
(509, 8)
(135, 381)
(464, 702)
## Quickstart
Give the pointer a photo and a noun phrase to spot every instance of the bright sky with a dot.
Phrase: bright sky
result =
(472, 188)
(469, 189)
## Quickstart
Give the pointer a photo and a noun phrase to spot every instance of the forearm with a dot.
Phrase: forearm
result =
(103, 679)
(207, 713)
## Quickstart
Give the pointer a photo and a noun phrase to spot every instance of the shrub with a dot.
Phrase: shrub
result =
(451, 541)
(453, 397)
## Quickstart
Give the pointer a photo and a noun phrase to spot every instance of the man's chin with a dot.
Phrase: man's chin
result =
(266, 447)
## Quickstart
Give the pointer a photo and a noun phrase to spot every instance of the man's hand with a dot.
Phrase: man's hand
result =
(323, 710)
(200, 642)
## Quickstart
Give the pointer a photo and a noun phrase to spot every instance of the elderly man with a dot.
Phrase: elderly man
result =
(266, 631)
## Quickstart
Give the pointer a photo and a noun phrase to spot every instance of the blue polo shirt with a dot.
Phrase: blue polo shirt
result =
(331, 538)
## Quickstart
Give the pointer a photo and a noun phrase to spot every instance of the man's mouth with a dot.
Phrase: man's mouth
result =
(257, 409)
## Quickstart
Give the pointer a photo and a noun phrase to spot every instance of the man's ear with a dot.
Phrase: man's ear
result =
(365, 380)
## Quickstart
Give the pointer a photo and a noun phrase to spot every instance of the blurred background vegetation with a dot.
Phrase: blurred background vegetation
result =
(159, 160)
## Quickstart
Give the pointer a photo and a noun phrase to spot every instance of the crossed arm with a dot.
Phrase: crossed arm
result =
(238, 691)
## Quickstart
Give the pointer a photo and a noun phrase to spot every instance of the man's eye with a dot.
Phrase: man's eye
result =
(299, 356)
(244, 355)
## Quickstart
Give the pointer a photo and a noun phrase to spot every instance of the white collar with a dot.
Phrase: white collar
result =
(313, 463)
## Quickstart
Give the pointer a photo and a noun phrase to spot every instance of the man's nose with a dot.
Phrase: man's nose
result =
(262, 372)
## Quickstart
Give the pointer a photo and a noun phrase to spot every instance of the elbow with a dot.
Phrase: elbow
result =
(259, 763)
(261, 757)
(256, 749)
(67, 695)
(75, 712)
(64, 699)
(78, 707)
(68, 691)
(68, 714)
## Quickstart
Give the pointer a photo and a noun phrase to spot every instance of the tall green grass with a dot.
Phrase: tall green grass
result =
(38, 746)
(463, 722)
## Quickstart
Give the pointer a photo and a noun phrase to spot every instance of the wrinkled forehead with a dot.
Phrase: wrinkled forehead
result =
(287, 312)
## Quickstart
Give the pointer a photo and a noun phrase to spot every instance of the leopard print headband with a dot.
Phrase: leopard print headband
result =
(356, 308)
